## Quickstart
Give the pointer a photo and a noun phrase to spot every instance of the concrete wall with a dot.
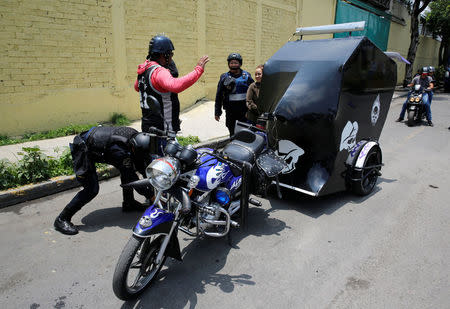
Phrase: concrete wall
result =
(74, 61)
(399, 39)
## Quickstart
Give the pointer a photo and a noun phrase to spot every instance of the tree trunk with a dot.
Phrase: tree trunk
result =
(446, 54)
(417, 9)
(440, 56)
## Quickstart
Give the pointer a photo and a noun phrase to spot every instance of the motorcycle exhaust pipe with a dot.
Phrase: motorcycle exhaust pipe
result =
(225, 223)
(255, 202)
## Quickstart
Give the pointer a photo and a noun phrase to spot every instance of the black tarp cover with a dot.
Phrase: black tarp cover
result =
(327, 95)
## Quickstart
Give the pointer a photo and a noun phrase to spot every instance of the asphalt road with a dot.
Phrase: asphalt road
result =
(388, 250)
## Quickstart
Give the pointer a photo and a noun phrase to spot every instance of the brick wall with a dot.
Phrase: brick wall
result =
(74, 61)
(51, 45)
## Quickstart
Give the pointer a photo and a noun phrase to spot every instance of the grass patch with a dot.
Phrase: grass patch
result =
(29, 137)
(119, 119)
(34, 166)
(188, 140)
(116, 120)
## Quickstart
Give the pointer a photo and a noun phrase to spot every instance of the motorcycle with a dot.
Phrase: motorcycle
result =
(200, 192)
(415, 107)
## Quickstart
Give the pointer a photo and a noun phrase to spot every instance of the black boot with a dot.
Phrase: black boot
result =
(65, 226)
(62, 222)
(132, 205)
(129, 203)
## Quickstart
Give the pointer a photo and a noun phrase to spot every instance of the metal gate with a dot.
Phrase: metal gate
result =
(377, 22)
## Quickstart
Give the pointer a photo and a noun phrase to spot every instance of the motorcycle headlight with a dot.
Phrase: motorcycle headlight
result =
(411, 99)
(418, 99)
(223, 196)
(163, 172)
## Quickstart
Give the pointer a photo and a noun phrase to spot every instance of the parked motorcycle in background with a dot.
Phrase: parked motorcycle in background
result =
(198, 192)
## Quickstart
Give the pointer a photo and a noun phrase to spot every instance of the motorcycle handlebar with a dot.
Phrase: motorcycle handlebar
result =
(162, 133)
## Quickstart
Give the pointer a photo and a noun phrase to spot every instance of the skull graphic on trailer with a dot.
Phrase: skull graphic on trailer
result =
(375, 110)
(290, 153)
(348, 136)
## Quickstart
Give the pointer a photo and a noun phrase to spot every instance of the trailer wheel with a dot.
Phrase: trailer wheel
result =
(366, 178)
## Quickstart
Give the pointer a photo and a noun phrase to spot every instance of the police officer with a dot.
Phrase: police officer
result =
(157, 77)
(123, 147)
(231, 93)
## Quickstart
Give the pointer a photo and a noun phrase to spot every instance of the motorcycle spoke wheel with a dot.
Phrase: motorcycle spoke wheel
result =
(137, 268)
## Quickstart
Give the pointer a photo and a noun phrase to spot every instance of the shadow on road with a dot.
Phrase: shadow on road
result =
(317, 206)
(181, 282)
(106, 217)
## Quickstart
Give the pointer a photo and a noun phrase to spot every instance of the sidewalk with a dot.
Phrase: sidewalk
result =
(197, 121)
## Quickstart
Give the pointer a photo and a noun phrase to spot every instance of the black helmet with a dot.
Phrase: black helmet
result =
(424, 70)
(140, 143)
(160, 44)
(431, 69)
(234, 56)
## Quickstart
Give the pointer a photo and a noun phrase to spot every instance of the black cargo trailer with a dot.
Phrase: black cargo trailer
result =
(330, 99)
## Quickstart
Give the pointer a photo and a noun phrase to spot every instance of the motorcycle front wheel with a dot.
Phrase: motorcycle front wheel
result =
(137, 268)
(410, 118)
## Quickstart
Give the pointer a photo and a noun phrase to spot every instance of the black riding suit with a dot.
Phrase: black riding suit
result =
(104, 145)
(231, 97)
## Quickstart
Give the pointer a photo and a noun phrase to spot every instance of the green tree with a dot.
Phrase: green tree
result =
(438, 22)
(416, 7)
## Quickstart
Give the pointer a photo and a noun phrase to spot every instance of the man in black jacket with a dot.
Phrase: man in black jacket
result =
(124, 148)
(231, 93)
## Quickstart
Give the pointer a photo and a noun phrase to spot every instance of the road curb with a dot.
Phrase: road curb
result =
(54, 185)
(58, 184)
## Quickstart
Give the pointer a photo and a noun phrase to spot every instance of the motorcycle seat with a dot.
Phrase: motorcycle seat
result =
(245, 146)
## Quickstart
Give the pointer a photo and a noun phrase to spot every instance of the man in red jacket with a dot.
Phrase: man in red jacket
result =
(157, 78)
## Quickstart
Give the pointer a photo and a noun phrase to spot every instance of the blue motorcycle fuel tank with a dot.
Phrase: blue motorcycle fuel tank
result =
(212, 173)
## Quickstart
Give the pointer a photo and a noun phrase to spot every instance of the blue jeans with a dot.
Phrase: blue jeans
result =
(430, 95)
(426, 103)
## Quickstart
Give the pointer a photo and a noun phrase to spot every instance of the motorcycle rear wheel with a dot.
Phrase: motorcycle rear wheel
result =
(410, 121)
(139, 253)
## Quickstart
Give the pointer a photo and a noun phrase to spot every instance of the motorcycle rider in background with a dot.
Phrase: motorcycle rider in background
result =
(425, 82)
(124, 148)
(433, 80)
(231, 93)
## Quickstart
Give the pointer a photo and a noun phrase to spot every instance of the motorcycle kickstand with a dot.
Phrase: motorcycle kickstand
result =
(278, 188)
(230, 242)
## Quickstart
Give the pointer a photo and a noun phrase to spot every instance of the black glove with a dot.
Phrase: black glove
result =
(229, 83)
